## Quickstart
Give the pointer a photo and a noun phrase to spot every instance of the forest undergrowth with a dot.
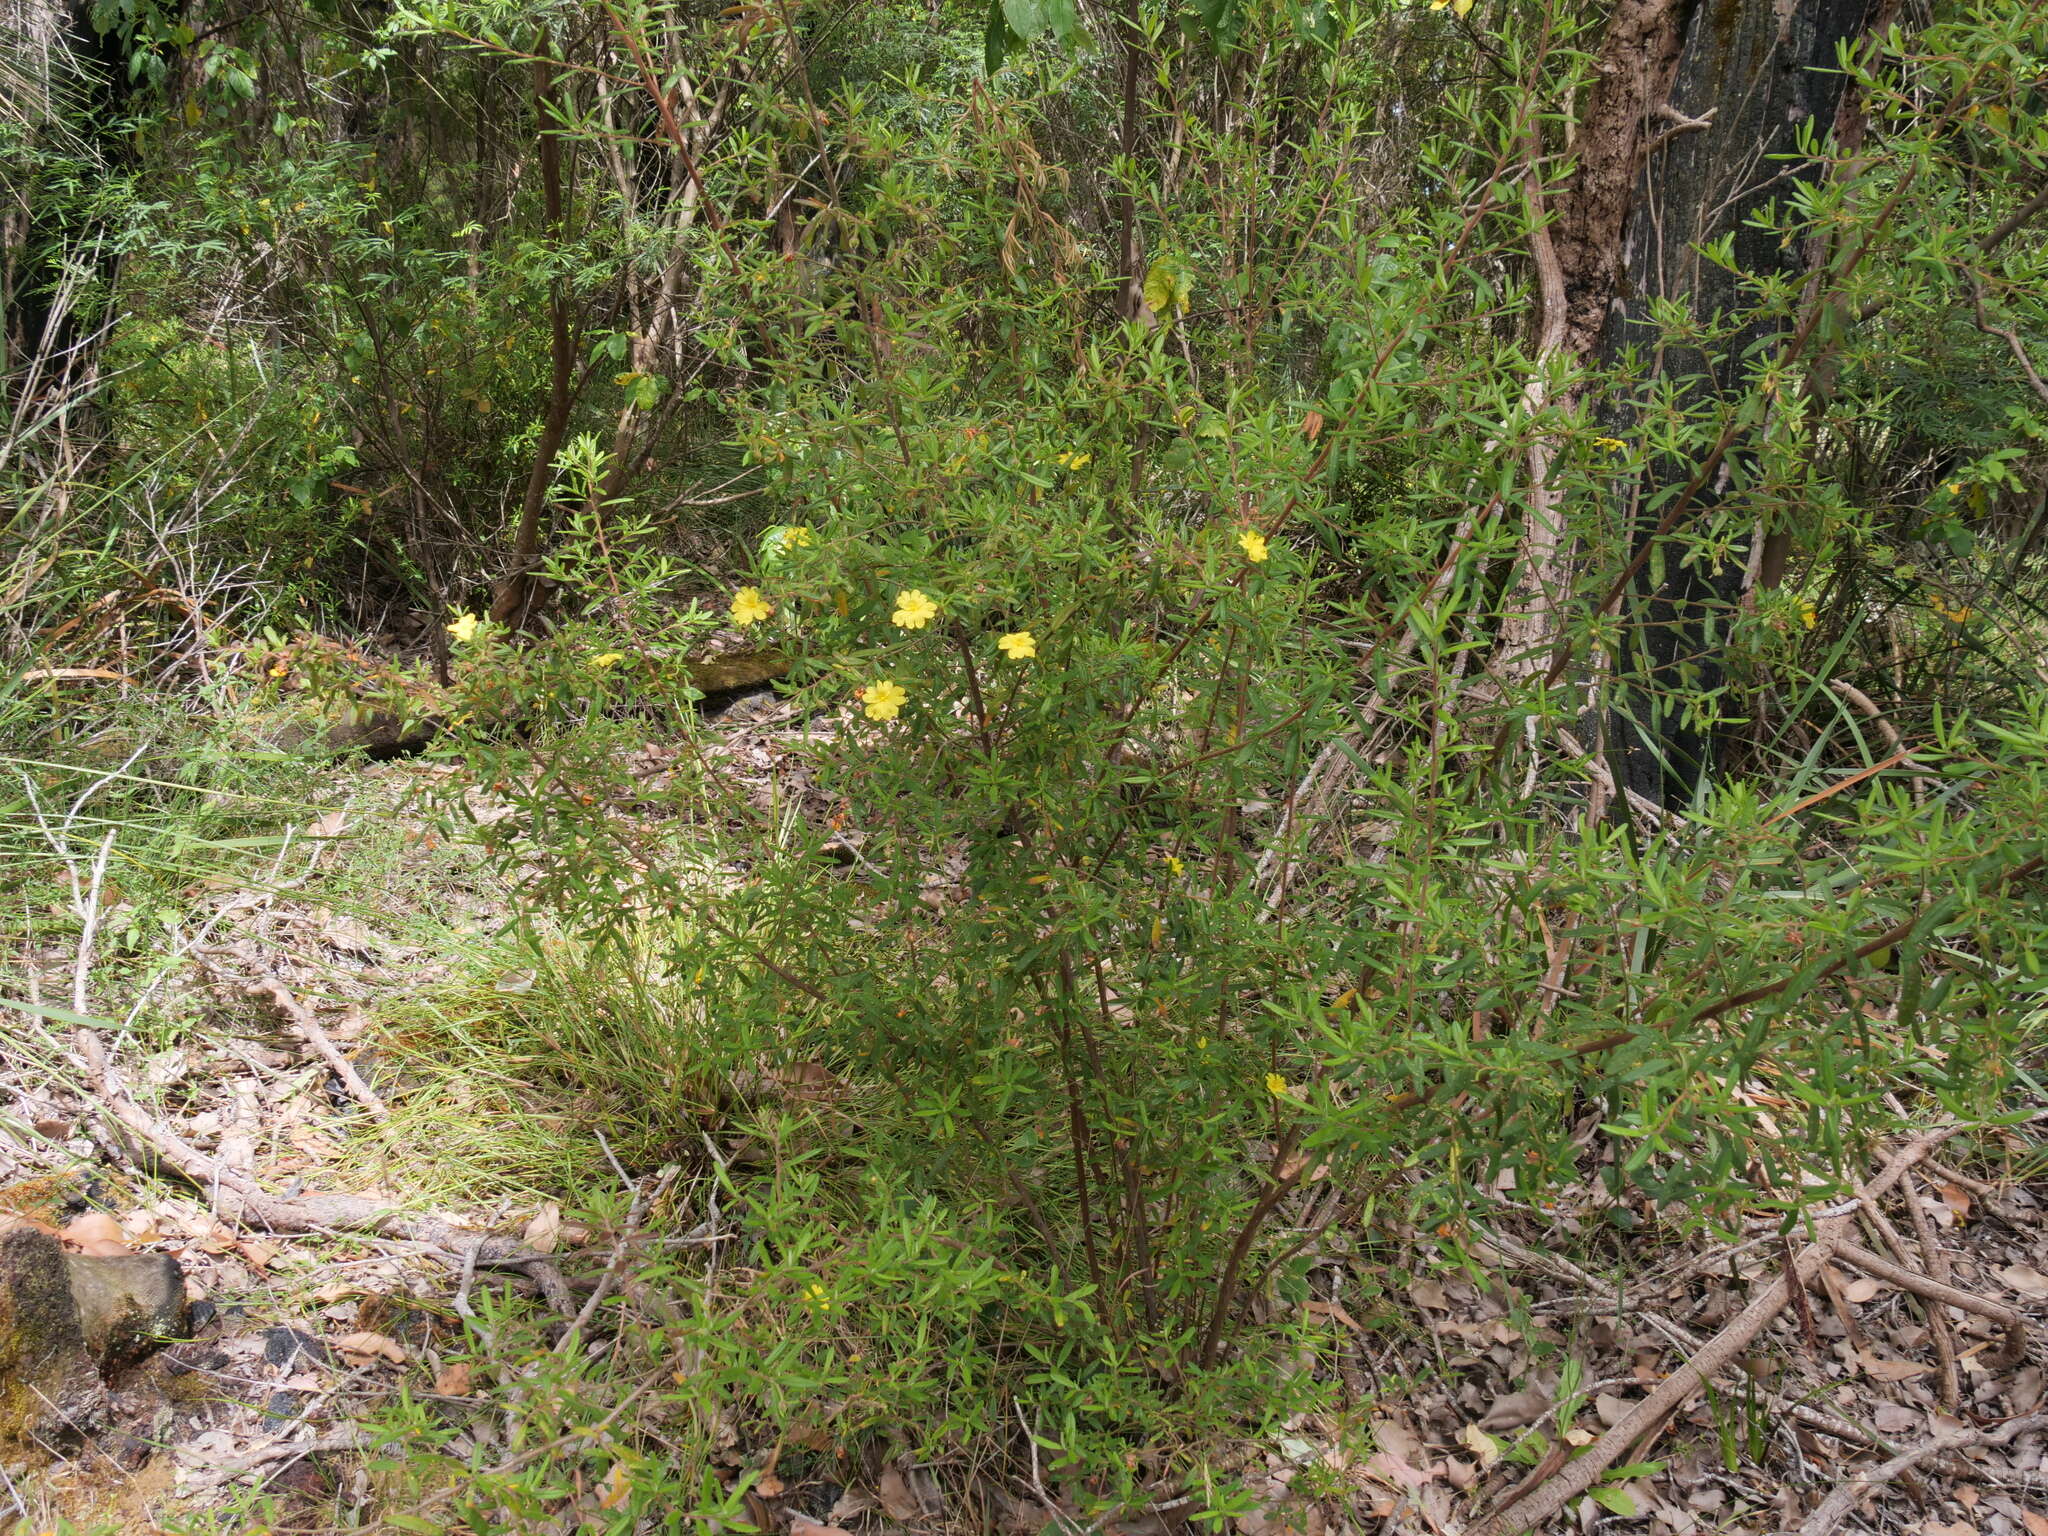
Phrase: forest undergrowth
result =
(1028, 768)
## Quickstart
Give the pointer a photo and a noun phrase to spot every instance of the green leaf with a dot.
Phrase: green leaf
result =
(1616, 1500)
(1026, 18)
(999, 39)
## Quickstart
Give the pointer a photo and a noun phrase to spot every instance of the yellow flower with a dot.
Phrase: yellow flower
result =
(1611, 444)
(913, 609)
(1253, 543)
(608, 659)
(463, 630)
(1019, 646)
(750, 607)
(1073, 460)
(778, 541)
(1460, 7)
(280, 669)
(1277, 1085)
(1174, 866)
(885, 700)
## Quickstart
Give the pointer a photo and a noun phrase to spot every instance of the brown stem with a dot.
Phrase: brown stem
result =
(1283, 1175)
(518, 600)
(1130, 300)
(1077, 1134)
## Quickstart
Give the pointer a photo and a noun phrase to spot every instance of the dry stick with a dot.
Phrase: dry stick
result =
(242, 1199)
(1563, 1269)
(644, 1196)
(308, 1029)
(1846, 1494)
(1933, 1261)
(1981, 1188)
(1579, 1475)
(1836, 788)
(2013, 1323)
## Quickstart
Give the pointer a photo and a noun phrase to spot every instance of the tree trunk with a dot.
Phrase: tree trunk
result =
(1748, 75)
(520, 596)
(63, 88)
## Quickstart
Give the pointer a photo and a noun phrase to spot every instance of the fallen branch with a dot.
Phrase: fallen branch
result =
(308, 1029)
(1846, 1493)
(1562, 1268)
(1934, 1263)
(240, 1198)
(1920, 1285)
(1540, 1504)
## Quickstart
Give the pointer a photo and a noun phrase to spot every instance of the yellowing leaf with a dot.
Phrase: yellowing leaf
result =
(1481, 1444)
(1167, 290)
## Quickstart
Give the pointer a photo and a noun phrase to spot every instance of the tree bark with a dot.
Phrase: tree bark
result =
(1747, 75)
(520, 596)
(63, 88)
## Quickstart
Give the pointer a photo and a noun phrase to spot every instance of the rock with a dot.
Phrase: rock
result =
(284, 1346)
(48, 1386)
(128, 1304)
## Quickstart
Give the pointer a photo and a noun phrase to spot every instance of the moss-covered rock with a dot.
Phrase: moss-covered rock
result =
(48, 1385)
(128, 1304)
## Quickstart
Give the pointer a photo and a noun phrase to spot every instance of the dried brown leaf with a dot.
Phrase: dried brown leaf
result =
(895, 1495)
(1889, 1370)
(372, 1346)
(2025, 1279)
(545, 1230)
(95, 1233)
(1513, 1410)
(1425, 1292)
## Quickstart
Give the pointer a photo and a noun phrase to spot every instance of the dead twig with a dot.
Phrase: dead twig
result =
(1836, 1506)
(1539, 1505)
(1931, 1290)
(645, 1194)
(241, 1199)
(1933, 1261)
(1562, 1268)
(308, 1029)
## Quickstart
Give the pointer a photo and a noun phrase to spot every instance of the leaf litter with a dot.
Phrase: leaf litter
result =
(1485, 1364)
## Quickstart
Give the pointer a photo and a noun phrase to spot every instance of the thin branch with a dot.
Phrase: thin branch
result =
(1836, 1506)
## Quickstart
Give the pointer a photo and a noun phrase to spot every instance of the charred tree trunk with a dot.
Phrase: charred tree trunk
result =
(1746, 78)
(65, 86)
